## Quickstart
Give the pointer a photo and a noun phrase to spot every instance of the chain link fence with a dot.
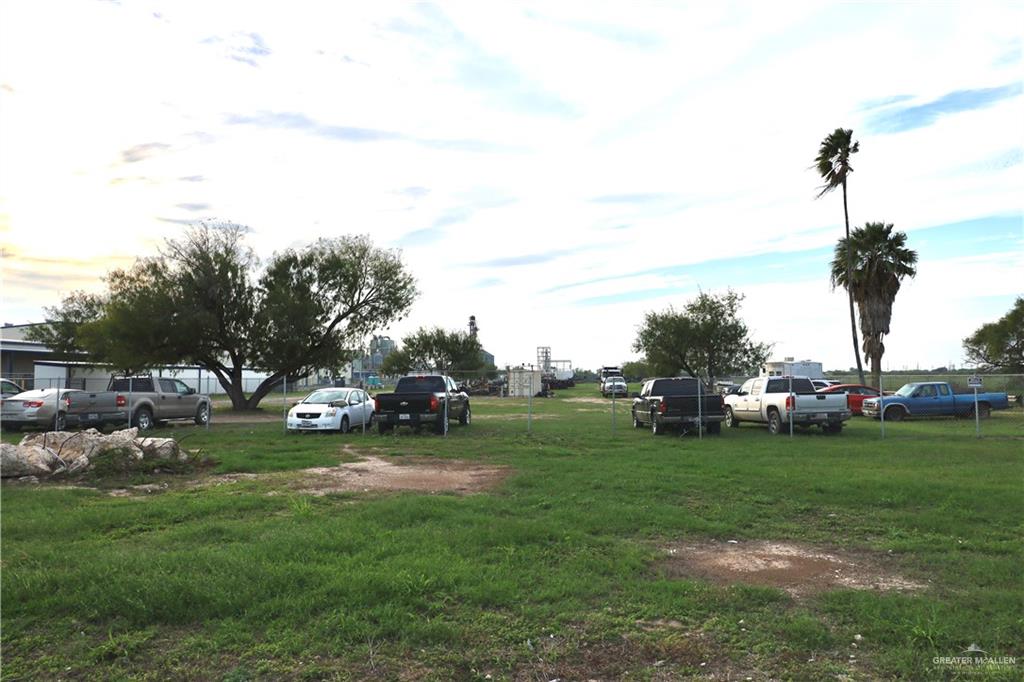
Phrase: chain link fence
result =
(519, 397)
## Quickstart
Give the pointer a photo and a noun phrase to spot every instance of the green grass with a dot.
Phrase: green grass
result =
(553, 574)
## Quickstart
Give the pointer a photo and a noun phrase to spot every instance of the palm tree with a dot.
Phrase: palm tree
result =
(833, 164)
(880, 261)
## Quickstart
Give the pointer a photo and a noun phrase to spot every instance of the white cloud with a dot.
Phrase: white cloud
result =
(542, 108)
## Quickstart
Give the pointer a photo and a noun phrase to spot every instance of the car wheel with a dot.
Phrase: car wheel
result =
(144, 419)
(202, 417)
(774, 423)
(637, 424)
(466, 417)
(344, 423)
(61, 422)
(656, 428)
(730, 419)
(896, 413)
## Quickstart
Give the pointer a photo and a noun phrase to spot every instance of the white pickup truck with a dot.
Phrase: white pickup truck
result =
(776, 400)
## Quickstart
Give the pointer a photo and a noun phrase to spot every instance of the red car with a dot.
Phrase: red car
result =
(855, 394)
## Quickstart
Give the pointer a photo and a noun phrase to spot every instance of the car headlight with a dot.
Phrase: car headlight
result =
(330, 412)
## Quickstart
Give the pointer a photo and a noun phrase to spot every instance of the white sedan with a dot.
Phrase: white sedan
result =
(332, 409)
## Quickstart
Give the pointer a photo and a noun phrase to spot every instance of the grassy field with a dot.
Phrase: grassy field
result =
(557, 573)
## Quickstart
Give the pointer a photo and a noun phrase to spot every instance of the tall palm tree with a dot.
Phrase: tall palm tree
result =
(833, 164)
(880, 260)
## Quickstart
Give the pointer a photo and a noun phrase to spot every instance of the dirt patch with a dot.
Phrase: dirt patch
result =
(597, 401)
(419, 474)
(798, 569)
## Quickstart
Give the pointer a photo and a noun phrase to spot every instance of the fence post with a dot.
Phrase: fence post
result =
(977, 417)
(791, 405)
(284, 402)
(613, 412)
(881, 406)
(700, 410)
(529, 407)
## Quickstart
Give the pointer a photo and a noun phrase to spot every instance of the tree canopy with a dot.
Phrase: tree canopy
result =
(999, 345)
(435, 349)
(200, 302)
(707, 339)
(871, 263)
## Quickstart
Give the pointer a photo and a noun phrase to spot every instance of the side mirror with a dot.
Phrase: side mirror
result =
(191, 391)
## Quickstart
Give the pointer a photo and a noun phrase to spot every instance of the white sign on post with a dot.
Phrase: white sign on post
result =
(974, 381)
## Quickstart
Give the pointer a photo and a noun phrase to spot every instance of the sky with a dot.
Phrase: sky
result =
(557, 169)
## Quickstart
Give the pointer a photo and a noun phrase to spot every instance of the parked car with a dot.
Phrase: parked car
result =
(614, 387)
(820, 384)
(422, 400)
(931, 399)
(150, 400)
(855, 394)
(768, 400)
(608, 371)
(682, 402)
(43, 408)
(331, 409)
(8, 388)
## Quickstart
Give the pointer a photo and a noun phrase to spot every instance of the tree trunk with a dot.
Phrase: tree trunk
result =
(849, 289)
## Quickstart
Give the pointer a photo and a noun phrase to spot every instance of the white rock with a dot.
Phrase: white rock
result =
(26, 460)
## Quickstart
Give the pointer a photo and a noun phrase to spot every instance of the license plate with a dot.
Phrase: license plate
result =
(405, 416)
(94, 417)
(305, 422)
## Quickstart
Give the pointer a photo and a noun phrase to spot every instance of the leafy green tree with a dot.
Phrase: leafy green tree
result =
(879, 260)
(999, 345)
(199, 302)
(707, 339)
(636, 369)
(437, 349)
(833, 164)
(397, 362)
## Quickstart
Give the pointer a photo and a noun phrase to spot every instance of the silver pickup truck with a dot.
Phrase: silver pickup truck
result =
(776, 400)
(151, 400)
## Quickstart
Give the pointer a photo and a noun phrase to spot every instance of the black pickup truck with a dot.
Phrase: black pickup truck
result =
(422, 399)
(662, 403)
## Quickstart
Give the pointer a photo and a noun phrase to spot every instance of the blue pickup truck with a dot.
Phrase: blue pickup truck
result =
(932, 399)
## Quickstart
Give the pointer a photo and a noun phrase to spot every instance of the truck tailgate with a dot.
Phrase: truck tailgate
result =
(820, 403)
(686, 405)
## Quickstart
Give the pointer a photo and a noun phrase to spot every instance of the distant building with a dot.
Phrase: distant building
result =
(787, 367)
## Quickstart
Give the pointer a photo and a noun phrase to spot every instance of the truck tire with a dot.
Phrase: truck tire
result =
(656, 428)
(61, 422)
(466, 417)
(202, 417)
(775, 423)
(730, 419)
(895, 413)
(637, 424)
(143, 419)
(344, 423)
(714, 428)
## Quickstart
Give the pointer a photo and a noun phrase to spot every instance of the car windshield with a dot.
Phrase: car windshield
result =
(906, 390)
(325, 396)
